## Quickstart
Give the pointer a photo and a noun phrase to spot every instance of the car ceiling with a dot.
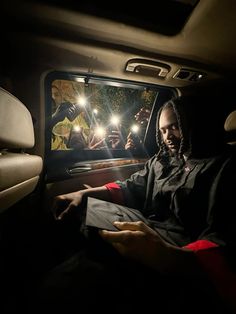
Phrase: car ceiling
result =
(52, 36)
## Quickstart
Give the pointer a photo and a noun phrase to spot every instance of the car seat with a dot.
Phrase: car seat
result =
(230, 128)
(19, 171)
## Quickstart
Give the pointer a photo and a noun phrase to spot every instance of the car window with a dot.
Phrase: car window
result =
(91, 117)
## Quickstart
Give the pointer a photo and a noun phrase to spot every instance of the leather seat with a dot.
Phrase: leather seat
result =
(19, 171)
(230, 128)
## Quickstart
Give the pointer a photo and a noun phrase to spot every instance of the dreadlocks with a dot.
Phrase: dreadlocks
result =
(200, 122)
(174, 104)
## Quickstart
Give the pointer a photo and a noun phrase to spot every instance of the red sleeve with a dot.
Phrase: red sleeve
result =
(200, 245)
(214, 263)
(115, 193)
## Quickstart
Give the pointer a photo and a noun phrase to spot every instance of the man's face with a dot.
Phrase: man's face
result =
(169, 128)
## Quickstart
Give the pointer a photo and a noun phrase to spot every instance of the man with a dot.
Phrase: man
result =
(175, 227)
(134, 141)
(69, 127)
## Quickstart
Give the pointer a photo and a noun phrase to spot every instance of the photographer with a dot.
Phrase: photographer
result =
(69, 127)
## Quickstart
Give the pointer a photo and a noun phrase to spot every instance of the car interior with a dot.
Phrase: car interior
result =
(104, 63)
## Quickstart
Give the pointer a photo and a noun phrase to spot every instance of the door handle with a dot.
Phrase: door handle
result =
(79, 169)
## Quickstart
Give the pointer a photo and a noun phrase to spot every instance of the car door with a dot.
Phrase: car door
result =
(88, 120)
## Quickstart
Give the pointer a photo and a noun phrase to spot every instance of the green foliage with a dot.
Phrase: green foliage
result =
(108, 100)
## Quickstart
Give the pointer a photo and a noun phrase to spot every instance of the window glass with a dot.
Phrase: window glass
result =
(91, 114)
(89, 119)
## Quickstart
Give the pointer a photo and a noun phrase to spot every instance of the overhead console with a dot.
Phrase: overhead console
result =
(169, 74)
(189, 75)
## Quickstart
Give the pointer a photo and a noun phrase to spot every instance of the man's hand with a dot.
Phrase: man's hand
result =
(65, 109)
(72, 112)
(143, 115)
(138, 241)
(97, 142)
(115, 139)
(130, 142)
(63, 204)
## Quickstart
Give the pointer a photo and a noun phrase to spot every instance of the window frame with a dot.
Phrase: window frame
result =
(53, 159)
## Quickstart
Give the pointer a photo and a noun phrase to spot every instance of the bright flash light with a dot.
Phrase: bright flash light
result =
(82, 101)
(135, 128)
(95, 111)
(115, 120)
(100, 131)
(76, 128)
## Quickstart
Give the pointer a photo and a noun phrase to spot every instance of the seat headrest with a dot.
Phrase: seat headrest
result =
(230, 127)
(230, 122)
(16, 126)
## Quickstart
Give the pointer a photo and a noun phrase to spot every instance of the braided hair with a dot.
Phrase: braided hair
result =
(174, 104)
(200, 122)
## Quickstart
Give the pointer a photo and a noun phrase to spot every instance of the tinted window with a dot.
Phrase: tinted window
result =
(94, 115)
(91, 117)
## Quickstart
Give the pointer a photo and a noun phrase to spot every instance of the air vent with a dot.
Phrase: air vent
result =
(189, 75)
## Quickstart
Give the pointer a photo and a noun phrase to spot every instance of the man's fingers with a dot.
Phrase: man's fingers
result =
(131, 225)
(67, 210)
(58, 206)
(87, 186)
(61, 206)
(113, 236)
(134, 226)
(129, 135)
(62, 214)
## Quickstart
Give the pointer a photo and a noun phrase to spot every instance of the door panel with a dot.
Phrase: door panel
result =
(102, 173)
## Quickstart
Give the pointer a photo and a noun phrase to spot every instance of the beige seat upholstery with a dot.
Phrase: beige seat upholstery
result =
(230, 128)
(19, 171)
